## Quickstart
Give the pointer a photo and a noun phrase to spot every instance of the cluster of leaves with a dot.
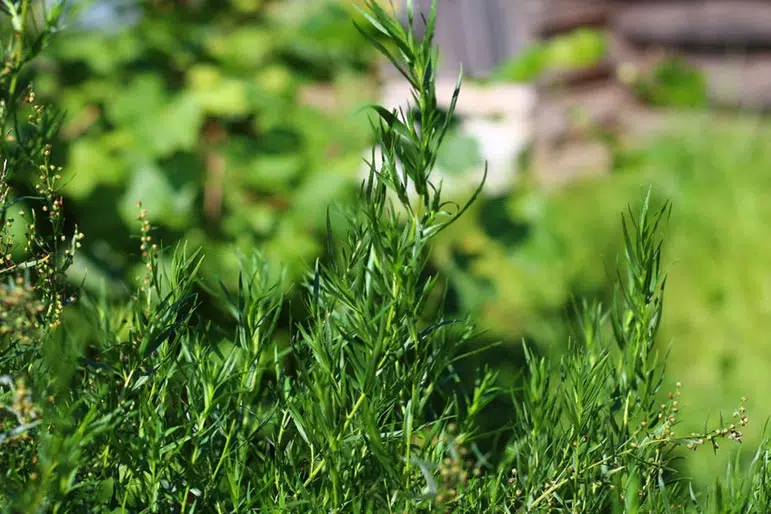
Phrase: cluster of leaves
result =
(230, 119)
(154, 407)
(577, 49)
(672, 82)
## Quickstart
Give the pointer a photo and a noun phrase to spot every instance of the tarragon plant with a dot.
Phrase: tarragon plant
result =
(152, 406)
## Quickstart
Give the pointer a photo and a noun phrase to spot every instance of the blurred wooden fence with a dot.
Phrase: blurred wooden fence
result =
(728, 40)
(480, 34)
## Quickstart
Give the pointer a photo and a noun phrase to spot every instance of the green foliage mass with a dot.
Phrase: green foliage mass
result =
(198, 109)
(149, 403)
(579, 48)
(673, 82)
(714, 168)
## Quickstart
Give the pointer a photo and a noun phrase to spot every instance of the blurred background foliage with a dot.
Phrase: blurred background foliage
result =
(233, 121)
(521, 262)
(575, 49)
(237, 122)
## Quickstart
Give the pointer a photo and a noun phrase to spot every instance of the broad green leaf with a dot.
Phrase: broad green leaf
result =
(104, 55)
(248, 46)
(167, 204)
(176, 127)
(276, 79)
(247, 5)
(273, 172)
(224, 97)
(91, 164)
(459, 153)
(141, 99)
(320, 190)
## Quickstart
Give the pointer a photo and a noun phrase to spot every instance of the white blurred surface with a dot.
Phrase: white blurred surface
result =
(500, 119)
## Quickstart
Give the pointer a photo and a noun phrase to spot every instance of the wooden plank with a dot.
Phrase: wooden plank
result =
(732, 80)
(567, 116)
(572, 77)
(558, 166)
(479, 34)
(563, 15)
(743, 23)
(737, 81)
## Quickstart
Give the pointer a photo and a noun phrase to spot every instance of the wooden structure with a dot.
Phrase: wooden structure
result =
(728, 40)
(722, 37)
(573, 103)
(479, 34)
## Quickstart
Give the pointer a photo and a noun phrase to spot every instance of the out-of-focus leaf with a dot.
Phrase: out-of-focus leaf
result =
(92, 165)
(315, 195)
(273, 172)
(247, 5)
(218, 95)
(245, 47)
(294, 245)
(276, 79)
(166, 205)
(674, 83)
(142, 98)
(103, 55)
(577, 49)
(460, 153)
(175, 127)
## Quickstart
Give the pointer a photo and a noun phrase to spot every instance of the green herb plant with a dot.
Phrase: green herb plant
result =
(150, 406)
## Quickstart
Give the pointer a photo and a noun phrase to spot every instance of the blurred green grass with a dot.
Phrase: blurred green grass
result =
(548, 247)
